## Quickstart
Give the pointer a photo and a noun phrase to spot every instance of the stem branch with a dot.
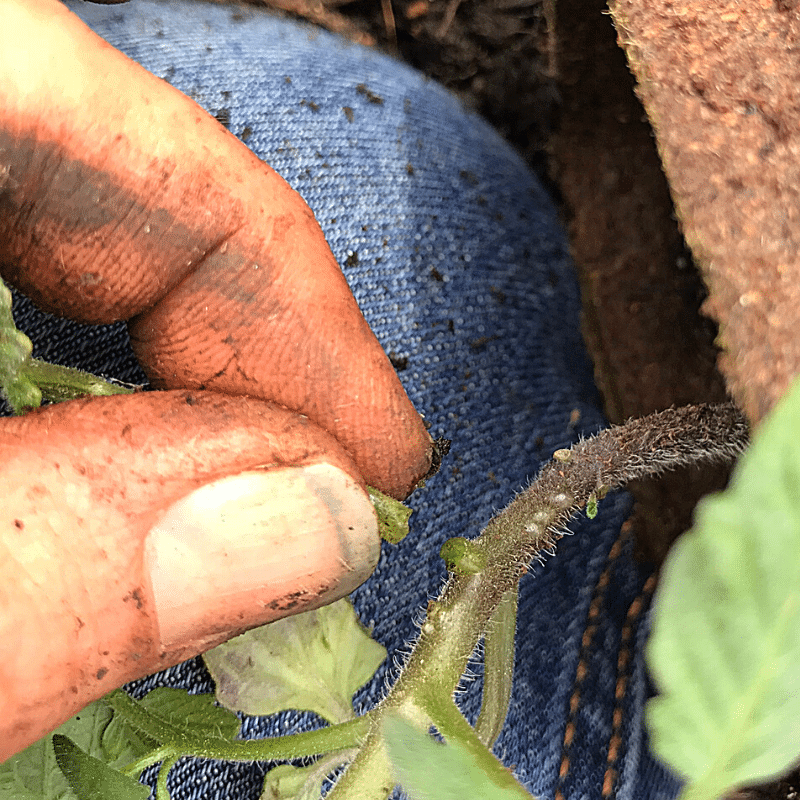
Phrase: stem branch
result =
(533, 522)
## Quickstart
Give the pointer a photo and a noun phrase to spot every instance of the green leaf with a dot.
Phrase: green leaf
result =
(310, 662)
(428, 770)
(393, 516)
(90, 778)
(196, 714)
(725, 649)
(34, 774)
(286, 782)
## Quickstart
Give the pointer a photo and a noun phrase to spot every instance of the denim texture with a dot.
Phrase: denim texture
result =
(457, 259)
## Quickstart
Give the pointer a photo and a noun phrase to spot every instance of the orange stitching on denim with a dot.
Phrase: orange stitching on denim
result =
(581, 670)
(609, 782)
(564, 768)
(616, 744)
(569, 734)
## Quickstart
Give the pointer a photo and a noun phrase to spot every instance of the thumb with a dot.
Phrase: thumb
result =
(137, 531)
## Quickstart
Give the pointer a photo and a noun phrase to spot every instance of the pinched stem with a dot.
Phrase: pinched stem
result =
(533, 522)
(57, 383)
(26, 381)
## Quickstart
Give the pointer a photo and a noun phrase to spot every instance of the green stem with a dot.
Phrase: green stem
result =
(533, 522)
(498, 669)
(136, 768)
(283, 748)
(162, 793)
(58, 383)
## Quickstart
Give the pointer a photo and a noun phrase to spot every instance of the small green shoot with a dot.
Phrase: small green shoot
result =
(26, 381)
(393, 516)
(463, 556)
(15, 352)
(591, 504)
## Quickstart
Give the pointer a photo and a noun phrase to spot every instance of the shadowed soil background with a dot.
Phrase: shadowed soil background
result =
(720, 82)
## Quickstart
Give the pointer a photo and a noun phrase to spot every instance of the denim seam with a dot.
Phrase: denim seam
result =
(592, 620)
(616, 748)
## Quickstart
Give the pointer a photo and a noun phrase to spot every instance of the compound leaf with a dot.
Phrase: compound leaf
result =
(34, 774)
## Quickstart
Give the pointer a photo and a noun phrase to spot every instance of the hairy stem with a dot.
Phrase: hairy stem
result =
(281, 748)
(533, 522)
(58, 383)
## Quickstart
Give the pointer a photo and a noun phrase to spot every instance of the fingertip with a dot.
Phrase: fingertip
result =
(397, 463)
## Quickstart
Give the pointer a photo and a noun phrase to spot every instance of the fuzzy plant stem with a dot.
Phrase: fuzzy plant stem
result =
(485, 569)
(177, 741)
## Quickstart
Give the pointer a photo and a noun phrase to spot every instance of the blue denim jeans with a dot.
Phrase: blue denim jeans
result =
(457, 259)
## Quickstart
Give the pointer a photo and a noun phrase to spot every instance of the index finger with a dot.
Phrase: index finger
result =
(123, 199)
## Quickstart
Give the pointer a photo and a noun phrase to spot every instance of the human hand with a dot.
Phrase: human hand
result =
(121, 198)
